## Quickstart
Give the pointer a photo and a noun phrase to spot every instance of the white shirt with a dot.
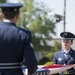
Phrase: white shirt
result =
(66, 51)
(6, 20)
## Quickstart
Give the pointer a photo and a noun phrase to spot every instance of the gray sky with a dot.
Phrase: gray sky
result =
(58, 7)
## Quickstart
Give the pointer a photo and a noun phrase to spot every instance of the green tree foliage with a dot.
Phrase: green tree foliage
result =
(35, 17)
(57, 47)
(2, 1)
(43, 61)
(48, 58)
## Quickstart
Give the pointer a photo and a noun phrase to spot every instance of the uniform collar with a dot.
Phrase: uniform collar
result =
(66, 51)
(6, 20)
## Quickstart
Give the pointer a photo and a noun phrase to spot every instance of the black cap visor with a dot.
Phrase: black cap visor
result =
(66, 39)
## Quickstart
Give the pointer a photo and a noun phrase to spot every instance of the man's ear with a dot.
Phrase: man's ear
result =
(1, 15)
(16, 18)
(17, 15)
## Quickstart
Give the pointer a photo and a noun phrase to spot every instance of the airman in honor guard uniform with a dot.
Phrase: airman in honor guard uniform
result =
(67, 54)
(15, 43)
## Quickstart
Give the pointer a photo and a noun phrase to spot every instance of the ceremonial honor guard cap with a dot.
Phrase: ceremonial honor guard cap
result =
(67, 36)
(10, 7)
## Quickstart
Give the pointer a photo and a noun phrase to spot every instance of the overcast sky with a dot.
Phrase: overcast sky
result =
(58, 7)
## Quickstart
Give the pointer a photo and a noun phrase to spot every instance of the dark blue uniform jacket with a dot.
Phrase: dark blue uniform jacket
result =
(16, 43)
(60, 59)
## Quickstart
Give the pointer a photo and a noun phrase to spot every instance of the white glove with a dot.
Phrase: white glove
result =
(42, 72)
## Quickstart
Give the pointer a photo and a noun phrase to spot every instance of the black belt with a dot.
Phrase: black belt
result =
(10, 65)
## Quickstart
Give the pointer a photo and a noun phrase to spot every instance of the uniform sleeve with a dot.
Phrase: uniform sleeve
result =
(29, 55)
(55, 60)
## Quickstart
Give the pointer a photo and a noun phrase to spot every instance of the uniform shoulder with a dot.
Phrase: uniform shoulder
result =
(25, 30)
(72, 50)
(58, 52)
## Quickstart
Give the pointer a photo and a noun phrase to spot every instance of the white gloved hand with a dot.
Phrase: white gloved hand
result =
(42, 72)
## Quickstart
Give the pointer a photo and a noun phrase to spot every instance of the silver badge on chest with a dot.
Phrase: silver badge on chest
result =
(59, 59)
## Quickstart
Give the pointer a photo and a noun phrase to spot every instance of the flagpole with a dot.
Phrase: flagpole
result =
(64, 16)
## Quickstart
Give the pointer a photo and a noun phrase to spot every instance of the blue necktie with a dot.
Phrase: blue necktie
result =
(66, 55)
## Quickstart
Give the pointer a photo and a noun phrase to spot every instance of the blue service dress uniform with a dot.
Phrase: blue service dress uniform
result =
(15, 43)
(59, 58)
